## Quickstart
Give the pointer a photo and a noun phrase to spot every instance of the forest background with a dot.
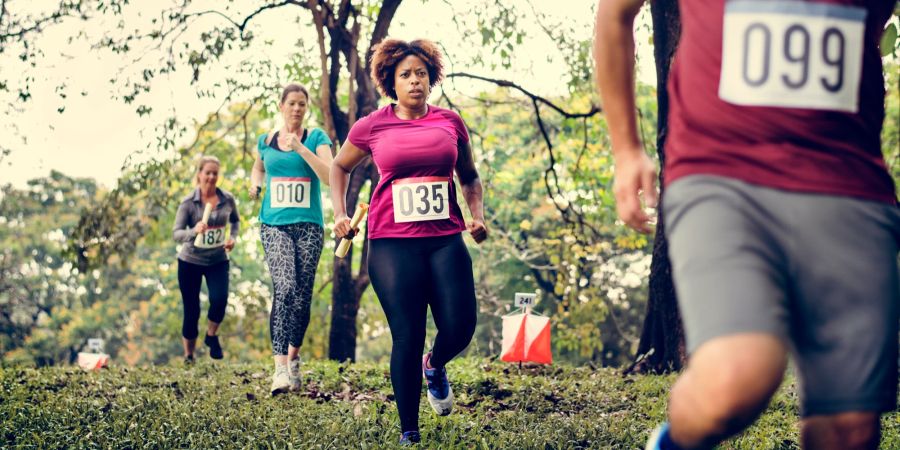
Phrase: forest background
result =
(81, 259)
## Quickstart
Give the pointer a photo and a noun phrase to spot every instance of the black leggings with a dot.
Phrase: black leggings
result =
(190, 276)
(408, 275)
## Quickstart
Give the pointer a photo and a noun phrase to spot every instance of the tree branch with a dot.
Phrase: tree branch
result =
(243, 25)
(353, 68)
(551, 178)
(324, 84)
(383, 22)
(2, 11)
(534, 97)
(64, 11)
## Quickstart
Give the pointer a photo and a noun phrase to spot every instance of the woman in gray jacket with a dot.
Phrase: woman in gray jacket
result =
(203, 254)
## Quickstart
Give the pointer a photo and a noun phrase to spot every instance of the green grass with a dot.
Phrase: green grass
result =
(350, 406)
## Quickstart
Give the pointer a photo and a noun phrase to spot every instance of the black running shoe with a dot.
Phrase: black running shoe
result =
(189, 360)
(215, 350)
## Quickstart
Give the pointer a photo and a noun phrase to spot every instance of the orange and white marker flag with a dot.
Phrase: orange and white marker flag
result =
(92, 361)
(526, 337)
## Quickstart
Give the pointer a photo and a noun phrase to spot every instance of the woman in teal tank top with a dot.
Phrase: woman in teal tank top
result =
(291, 163)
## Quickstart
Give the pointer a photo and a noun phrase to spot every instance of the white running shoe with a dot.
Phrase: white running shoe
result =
(281, 382)
(440, 395)
(294, 374)
(656, 437)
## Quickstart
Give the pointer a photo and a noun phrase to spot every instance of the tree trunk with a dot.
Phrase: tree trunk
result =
(347, 290)
(661, 348)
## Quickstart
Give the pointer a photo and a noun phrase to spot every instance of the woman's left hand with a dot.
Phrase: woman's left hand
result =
(229, 244)
(478, 230)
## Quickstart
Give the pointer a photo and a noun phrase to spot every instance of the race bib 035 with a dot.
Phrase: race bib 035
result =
(289, 192)
(420, 199)
(792, 54)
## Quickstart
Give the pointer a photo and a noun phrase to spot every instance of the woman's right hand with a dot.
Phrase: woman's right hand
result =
(254, 192)
(342, 227)
(201, 227)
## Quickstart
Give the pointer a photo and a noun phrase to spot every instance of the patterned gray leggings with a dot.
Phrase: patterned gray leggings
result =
(292, 254)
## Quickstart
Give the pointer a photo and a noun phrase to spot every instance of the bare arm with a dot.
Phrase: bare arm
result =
(472, 190)
(257, 176)
(235, 219)
(635, 173)
(320, 161)
(348, 158)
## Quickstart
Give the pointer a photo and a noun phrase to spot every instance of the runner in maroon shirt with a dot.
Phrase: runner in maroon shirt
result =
(780, 215)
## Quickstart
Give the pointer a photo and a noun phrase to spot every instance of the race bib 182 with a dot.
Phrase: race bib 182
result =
(792, 54)
(289, 192)
(420, 199)
(212, 238)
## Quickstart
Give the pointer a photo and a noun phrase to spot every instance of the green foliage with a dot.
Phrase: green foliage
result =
(39, 288)
(228, 406)
(554, 227)
(890, 134)
(592, 283)
(550, 209)
(889, 40)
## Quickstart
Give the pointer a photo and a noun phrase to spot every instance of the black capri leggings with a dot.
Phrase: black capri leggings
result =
(190, 276)
(408, 275)
(292, 253)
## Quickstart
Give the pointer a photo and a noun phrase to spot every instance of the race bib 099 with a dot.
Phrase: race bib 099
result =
(289, 192)
(792, 54)
(212, 238)
(420, 199)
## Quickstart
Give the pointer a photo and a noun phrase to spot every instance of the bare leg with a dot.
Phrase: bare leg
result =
(847, 431)
(727, 384)
(211, 328)
(189, 345)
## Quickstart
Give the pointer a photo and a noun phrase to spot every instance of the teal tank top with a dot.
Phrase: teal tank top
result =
(293, 193)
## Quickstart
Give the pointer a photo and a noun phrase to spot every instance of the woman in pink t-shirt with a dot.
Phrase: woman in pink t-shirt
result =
(417, 256)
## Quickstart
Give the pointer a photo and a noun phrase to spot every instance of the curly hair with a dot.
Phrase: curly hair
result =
(388, 54)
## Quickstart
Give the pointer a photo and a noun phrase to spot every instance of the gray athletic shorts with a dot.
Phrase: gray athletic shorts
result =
(818, 271)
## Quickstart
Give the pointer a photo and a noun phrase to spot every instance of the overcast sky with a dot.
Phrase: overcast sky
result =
(95, 134)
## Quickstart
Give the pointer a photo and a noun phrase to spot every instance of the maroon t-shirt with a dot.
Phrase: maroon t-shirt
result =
(805, 94)
(416, 159)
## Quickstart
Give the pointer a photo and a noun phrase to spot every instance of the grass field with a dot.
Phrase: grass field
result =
(210, 406)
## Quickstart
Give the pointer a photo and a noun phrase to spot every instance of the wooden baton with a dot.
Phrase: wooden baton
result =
(358, 216)
(206, 212)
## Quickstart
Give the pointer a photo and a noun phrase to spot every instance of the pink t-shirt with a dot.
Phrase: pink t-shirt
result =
(416, 196)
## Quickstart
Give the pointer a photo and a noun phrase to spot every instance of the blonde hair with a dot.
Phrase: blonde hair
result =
(202, 161)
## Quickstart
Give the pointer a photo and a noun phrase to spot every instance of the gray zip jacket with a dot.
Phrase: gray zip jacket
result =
(190, 212)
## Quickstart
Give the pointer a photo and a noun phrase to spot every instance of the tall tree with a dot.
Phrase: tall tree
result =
(661, 348)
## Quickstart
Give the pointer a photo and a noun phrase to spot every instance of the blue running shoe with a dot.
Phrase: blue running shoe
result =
(440, 395)
(409, 438)
(660, 439)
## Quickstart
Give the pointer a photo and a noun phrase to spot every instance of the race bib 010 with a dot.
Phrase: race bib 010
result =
(212, 238)
(420, 199)
(792, 54)
(289, 192)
